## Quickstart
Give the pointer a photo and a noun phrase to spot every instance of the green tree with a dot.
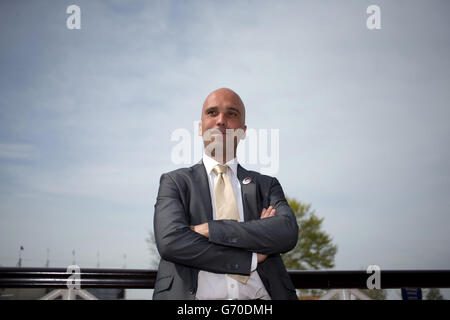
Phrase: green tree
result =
(375, 294)
(434, 294)
(314, 249)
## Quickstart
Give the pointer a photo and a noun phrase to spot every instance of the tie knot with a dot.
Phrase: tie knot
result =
(220, 169)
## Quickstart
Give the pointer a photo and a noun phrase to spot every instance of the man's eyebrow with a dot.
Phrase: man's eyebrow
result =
(211, 109)
(214, 108)
(235, 109)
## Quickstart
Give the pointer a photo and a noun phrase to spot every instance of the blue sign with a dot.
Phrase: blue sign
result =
(412, 294)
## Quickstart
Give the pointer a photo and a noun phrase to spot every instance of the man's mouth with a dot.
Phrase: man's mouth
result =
(216, 133)
(219, 131)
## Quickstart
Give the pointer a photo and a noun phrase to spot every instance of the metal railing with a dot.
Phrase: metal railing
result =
(61, 282)
(55, 278)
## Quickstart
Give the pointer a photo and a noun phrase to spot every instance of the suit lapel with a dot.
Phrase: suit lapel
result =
(203, 190)
(249, 194)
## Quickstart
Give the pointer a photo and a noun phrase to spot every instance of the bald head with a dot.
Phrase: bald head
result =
(223, 115)
(224, 97)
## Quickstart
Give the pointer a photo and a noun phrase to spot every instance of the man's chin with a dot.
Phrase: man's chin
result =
(219, 137)
(216, 148)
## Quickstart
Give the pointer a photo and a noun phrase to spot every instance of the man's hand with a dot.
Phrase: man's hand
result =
(266, 213)
(202, 229)
(270, 212)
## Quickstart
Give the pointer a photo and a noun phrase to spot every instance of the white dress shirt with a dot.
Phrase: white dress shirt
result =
(220, 286)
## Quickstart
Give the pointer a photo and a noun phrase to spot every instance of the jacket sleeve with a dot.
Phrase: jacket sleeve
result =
(177, 243)
(277, 234)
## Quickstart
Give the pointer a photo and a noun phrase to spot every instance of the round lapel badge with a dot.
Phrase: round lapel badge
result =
(247, 180)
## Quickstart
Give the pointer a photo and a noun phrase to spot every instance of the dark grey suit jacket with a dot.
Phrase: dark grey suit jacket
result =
(184, 199)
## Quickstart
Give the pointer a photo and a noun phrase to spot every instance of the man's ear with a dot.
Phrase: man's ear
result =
(200, 132)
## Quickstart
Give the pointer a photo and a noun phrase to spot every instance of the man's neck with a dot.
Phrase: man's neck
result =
(221, 160)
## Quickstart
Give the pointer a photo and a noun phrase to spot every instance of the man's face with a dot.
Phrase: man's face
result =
(222, 110)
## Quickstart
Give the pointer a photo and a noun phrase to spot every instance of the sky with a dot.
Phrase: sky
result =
(87, 118)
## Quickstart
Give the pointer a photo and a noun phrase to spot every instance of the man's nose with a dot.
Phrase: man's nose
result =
(221, 119)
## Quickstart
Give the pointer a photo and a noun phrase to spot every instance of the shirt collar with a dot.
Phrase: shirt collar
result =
(210, 163)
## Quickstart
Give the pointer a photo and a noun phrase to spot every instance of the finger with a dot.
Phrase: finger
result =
(263, 213)
(270, 212)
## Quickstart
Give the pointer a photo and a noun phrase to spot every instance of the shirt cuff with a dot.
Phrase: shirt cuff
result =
(254, 262)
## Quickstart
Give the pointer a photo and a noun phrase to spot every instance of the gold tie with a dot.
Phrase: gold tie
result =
(225, 203)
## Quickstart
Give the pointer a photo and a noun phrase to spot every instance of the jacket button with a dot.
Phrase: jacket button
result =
(191, 291)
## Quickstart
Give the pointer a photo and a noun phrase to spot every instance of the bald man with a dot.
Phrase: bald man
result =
(220, 228)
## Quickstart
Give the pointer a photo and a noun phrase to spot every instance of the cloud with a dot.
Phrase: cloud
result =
(13, 151)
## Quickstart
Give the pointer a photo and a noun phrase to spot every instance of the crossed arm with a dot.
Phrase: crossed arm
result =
(203, 229)
(221, 246)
